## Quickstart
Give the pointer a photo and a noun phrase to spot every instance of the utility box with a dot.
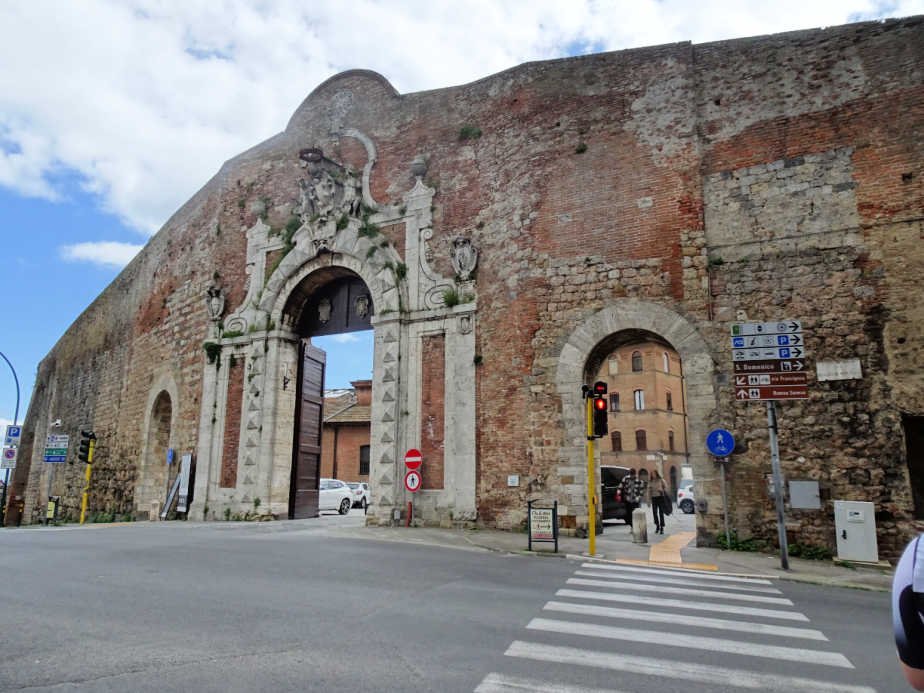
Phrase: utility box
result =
(855, 522)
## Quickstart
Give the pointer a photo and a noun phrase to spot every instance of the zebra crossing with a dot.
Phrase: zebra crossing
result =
(643, 627)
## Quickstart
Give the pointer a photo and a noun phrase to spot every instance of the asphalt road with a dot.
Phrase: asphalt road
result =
(287, 606)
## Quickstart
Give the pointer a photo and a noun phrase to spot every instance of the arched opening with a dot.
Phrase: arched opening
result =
(332, 433)
(157, 470)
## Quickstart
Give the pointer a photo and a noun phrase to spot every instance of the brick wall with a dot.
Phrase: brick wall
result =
(232, 437)
(432, 410)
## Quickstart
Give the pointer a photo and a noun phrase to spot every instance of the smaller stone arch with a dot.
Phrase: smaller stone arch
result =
(157, 437)
(582, 355)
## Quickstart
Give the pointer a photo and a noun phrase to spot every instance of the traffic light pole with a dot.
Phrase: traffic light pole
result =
(86, 488)
(591, 495)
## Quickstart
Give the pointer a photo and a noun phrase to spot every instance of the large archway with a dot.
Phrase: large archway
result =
(592, 340)
(332, 300)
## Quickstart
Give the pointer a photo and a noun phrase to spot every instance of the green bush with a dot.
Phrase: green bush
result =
(733, 543)
(814, 553)
(469, 132)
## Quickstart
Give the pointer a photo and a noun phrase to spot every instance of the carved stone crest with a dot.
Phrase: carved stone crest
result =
(465, 324)
(361, 306)
(324, 309)
(329, 191)
(464, 257)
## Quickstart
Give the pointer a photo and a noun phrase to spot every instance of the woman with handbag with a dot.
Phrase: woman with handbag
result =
(658, 495)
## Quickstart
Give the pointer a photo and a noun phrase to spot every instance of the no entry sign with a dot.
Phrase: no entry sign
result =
(413, 459)
(412, 481)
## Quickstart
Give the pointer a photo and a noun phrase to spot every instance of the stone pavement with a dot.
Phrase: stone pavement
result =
(615, 544)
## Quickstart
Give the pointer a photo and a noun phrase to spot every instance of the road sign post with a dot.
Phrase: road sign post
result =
(412, 479)
(721, 443)
(778, 484)
(769, 365)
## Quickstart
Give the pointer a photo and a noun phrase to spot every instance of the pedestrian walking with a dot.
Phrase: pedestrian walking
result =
(657, 496)
(632, 490)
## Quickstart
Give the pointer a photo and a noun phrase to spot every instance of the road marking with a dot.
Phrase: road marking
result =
(693, 642)
(685, 620)
(641, 587)
(498, 683)
(679, 573)
(683, 604)
(668, 551)
(715, 676)
(668, 580)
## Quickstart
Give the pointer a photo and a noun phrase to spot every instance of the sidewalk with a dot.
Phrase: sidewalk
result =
(615, 544)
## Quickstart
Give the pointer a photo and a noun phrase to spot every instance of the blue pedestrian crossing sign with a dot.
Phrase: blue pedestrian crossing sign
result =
(720, 442)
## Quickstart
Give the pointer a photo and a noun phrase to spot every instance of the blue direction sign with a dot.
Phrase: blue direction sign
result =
(720, 442)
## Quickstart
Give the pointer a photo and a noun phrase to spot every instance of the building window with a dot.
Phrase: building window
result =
(641, 440)
(364, 460)
(667, 363)
(614, 401)
(670, 402)
(636, 361)
(670, 440)
(639, 399)
(616, 439)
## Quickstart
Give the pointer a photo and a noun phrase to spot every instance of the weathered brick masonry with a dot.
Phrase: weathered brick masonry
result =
(668, 190)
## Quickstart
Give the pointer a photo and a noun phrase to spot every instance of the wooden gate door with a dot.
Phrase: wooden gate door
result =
(306, 456)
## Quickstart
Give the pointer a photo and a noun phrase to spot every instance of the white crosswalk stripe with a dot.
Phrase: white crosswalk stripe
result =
(699, 575)
(692, 642)
(498, 683)
(681, 619)
(660, 589)
(683, 604)
(622, 610)
(667, 580)
(689, 671)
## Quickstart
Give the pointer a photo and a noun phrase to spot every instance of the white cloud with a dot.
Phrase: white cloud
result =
(109, 253)
(345, 338)
(144, 100)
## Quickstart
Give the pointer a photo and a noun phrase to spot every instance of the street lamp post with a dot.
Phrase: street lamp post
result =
(6, 479)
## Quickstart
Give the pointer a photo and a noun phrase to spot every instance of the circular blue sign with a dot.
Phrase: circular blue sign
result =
(720, 442)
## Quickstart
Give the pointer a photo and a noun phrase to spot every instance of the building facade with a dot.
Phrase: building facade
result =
(647, 412)
(502, 238)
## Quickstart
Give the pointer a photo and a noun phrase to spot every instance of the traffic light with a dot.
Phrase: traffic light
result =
(599, 389)
(599, 407)
(87, 443)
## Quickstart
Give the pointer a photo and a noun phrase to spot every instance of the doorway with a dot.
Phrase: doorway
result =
(334, 304)
(914, 453)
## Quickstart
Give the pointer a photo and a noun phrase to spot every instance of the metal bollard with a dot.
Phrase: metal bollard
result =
(639, 526)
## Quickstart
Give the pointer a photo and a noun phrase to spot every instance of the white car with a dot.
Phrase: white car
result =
(686, 500)
(360, 493)
(335, 495)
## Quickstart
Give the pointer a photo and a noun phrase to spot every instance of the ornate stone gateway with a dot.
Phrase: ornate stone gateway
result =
(333, 270)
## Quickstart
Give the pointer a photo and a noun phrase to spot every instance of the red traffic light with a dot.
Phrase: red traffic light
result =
(599, 388)
(599, 404)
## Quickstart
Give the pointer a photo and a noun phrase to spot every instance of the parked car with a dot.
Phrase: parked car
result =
(612, 507)
(686, 499)
(360, 491)
(335, 495)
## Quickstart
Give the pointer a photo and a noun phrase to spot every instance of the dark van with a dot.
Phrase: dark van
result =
(613, 507)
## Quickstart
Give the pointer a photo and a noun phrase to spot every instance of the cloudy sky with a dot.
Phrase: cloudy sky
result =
(113, 113)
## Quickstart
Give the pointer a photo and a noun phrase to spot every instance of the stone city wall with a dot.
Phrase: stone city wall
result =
(755, 179)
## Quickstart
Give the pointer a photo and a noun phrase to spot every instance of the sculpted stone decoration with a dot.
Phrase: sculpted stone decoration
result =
(361, 306)
(464, 258)
(215, 303)
(328, 197)
(324, 309)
